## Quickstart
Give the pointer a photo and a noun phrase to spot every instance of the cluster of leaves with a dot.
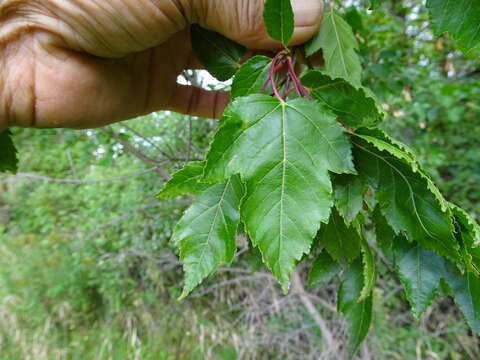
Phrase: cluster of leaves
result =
(430, 89)
(302, 168)
(305, 173)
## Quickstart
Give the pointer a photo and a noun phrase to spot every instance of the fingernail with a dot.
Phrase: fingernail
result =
(307, 12)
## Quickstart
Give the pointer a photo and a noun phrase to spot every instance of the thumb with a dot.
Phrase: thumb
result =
(242, 21)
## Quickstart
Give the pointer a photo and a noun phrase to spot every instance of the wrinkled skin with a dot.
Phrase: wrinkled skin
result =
(88, 63)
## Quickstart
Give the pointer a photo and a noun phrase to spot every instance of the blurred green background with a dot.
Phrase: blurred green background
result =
(86, 269)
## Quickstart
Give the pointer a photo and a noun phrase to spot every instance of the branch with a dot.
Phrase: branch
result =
(140, 155)
(123, 217)
(78, 181)
(148, 141)
(298, 288)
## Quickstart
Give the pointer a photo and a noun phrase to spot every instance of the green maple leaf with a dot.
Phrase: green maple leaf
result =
(251, 77)
(460, 18)
(420, 272)
(207, 231)
(465, 289)
(8, 153)
(324, 269)
(407, 198)
(220, 56)
(354, 104)
(348, 192)
(341, 242)
(284, 152)
(358, 314)
(339, 46)
(185, 181)
(279, 20)
(385, 236)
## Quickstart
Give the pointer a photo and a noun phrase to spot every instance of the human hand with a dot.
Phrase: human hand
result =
(88, 63)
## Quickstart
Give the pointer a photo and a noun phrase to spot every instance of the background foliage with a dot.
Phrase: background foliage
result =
(86, 270)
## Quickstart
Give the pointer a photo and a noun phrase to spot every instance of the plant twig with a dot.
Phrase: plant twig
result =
(79, 181)
(298, 288)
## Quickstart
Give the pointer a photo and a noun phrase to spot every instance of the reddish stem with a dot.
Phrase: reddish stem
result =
(301, 90)
(265, 86)
(274, 68)
(278, 62)
(345, 125)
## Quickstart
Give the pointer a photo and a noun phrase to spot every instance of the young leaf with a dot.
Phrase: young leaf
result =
(251, 77)
(420, 272)
(185, 181)
(358, 314)
(339, 46)
(466, 293)
(406, 196)
(324, 269)
(220, 56)
(284, 151)
(354, 104)
(8, 153)
(459, 18)
(206, 232)
(341, 242)
(348, 193)
(369, 270)
(279, 20)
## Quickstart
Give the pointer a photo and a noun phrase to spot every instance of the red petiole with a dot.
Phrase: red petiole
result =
(278, 63)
